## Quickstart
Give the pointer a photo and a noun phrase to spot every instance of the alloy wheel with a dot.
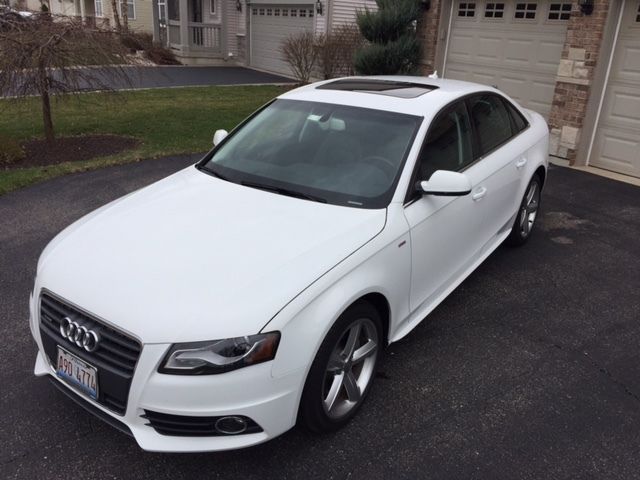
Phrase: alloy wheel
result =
(529, 209)
(350, 368)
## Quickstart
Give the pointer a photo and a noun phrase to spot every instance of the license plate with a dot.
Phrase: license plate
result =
(77, 372)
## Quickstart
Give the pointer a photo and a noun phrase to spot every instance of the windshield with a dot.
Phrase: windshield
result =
(329, 153)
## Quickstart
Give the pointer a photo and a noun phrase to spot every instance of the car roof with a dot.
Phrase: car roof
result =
(437, 93)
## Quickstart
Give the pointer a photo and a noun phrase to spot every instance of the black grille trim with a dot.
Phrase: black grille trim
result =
(115, 358)
(115, 423)
(188, 426)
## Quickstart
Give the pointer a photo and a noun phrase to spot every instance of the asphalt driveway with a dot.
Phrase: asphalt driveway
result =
(530, 369)
(138, 77)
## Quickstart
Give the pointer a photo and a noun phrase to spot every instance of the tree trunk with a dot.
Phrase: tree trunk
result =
(124, 8)
(43, 86)
(116, 15)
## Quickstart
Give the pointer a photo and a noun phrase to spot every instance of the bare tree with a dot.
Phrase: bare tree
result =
(301, 54)
(116, 15)
(336, 50)
(124, 9)
(47, 55)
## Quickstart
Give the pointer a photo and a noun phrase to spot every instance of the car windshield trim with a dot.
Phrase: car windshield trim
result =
(410, 125)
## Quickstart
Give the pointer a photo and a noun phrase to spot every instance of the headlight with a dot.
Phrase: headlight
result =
(218, 356)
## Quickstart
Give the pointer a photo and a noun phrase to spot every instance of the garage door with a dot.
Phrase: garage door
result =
(514, 46)
(617, 142)
(270, 25)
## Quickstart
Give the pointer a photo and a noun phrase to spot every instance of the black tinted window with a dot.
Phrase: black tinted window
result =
(449, 142)
(519, 122)
(491, 121)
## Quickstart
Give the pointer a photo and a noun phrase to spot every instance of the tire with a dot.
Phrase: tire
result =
(527, 214)
(338, 382)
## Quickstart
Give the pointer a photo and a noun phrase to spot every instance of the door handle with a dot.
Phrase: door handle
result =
(521, 163)
(479, 193)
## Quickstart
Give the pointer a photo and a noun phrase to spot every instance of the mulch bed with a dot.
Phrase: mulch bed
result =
(73, 149)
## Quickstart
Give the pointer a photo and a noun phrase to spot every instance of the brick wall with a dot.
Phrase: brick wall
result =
(575, 75)
(428, 36)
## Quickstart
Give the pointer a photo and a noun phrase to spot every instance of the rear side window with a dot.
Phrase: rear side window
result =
(491, 121)
(519, 123)
(449, 143)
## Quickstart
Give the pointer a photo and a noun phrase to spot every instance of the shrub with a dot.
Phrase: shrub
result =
(136, 41)
(336, 50)
(393, 46)
(161, 55)
(10, 151)
(301, 53)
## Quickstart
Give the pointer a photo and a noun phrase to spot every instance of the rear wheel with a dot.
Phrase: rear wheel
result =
(527, 213)
(343, 370)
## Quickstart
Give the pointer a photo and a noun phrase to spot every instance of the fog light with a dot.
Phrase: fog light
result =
(231, 425)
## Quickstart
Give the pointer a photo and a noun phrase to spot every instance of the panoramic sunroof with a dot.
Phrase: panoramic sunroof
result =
(381, 87)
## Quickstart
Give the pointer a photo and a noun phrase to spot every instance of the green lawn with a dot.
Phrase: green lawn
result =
(166, 121)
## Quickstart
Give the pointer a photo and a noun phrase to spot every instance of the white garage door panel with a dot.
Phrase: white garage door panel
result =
(616, 144)
(269, 30)
(519, 56)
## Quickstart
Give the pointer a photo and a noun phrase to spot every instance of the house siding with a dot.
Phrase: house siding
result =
(344, 11)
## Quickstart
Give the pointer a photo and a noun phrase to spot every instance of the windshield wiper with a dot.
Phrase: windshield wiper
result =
(284, 191)
(213, 172)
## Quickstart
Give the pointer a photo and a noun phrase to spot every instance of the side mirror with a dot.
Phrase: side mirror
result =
(219, 136)
(447, 184)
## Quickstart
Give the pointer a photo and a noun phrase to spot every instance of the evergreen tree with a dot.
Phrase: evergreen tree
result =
(393, 46)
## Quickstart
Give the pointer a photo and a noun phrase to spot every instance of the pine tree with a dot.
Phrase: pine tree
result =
(393, 46)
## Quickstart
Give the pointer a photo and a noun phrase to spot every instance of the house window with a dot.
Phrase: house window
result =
(212, 7)
(131, 8)
(162, 11)
(173, 10)
(294, 12)
(526, 10)
(311, 12)
(494, 10)
(638, 15)
(285, 12)
(559, 11)
(254, 11)
(303, 13)
(467, 10)
(262, 11)
(276, 12)
(98, 7)
(269, 12)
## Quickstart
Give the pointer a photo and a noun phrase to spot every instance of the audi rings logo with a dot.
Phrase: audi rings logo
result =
(79, 334)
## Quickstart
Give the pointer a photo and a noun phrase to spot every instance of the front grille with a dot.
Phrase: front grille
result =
(188, 426)
(115, 358)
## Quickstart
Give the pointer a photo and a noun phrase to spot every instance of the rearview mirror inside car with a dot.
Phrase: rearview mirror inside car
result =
(447, 184)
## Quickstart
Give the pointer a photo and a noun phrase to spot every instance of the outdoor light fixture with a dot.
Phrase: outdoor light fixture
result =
(586, 6)
(318, 7)
(238, 5)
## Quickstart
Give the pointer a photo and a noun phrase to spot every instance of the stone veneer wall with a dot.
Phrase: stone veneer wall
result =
(575, 75)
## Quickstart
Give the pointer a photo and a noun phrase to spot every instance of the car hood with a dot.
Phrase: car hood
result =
(193, 257)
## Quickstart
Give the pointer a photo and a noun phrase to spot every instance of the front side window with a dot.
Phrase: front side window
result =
(449, 144)
(339, 154)
(491, 121)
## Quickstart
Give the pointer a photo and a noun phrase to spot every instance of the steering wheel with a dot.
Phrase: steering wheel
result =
(384, 164)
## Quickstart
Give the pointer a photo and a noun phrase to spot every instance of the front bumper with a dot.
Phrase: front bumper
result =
(251, 392)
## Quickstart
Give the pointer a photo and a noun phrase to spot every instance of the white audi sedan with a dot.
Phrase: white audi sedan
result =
(220, 306)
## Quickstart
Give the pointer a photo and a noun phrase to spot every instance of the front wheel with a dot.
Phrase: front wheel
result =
(343, 370)
(527, 214)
